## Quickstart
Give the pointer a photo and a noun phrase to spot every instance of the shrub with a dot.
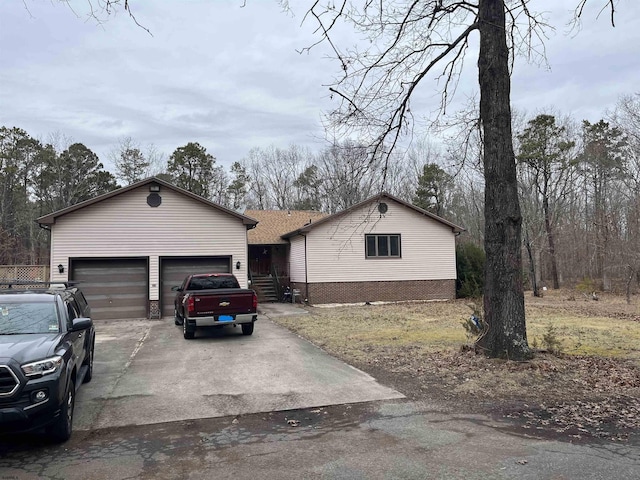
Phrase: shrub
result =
(474, 325)
(550, 340)
(586, 285)
(470, 269)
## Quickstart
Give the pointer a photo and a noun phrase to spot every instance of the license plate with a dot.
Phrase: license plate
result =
(225, 318)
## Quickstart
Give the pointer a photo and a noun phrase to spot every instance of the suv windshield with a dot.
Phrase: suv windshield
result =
(23, 318)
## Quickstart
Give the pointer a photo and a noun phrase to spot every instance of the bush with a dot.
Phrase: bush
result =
(586, 286)
(474, 325)
(470, 269)
(551, 341)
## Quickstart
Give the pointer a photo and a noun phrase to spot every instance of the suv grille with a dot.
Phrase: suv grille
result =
(8, 381)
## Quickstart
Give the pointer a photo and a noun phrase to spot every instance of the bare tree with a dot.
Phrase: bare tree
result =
(129, 161)
(349, 175)
(272, 173)
(414, 40)
(626, 117)
(219, 186)
(602, 164)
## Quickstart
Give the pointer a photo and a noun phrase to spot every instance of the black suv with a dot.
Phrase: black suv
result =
(47, 341)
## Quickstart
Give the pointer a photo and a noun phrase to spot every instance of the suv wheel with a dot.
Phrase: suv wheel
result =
(60, 430)
(89, 363)
(247, 328)
(187, 332)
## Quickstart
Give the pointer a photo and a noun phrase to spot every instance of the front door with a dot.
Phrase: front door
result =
(260, 259)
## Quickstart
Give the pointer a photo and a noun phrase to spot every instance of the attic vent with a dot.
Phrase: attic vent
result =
(382, 207)
(154, 200)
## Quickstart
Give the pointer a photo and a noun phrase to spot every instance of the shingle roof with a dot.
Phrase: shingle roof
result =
(272, 224)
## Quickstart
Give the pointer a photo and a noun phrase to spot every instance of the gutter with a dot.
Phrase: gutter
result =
(306, 270)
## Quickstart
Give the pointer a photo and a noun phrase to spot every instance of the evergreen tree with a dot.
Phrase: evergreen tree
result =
(191, 168)
(433, 185)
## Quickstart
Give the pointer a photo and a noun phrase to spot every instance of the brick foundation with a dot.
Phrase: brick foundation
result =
(360, 292)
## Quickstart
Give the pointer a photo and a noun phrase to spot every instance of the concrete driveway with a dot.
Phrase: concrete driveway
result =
(147, 373)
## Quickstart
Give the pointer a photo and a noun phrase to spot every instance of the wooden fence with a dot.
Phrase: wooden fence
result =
(24, 272)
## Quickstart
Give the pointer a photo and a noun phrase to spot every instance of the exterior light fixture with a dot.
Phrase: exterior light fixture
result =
(61, 268)
(238, 265)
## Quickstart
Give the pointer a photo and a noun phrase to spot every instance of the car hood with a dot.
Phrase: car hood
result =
(27, 348)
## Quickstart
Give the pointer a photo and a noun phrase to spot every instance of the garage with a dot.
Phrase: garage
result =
(115, 288)
(175, 269)
(131, 245)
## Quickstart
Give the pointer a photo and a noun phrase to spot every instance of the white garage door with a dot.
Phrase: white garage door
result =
(115, 288)
(174, 270)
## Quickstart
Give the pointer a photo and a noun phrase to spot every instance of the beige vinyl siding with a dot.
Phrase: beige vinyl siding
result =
(296, 260)
(336, 250)
(125, 226)
(154, 277)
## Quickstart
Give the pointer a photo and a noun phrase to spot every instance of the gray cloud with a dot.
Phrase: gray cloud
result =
(230, 78)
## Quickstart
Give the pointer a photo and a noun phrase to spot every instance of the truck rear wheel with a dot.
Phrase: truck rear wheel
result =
(187, 332)
(247, 328)
(177, 319)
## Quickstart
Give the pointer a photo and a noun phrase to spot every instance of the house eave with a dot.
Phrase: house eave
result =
(455, 228)
(50, 219)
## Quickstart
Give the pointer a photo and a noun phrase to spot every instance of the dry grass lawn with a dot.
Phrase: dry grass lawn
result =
(590, 389)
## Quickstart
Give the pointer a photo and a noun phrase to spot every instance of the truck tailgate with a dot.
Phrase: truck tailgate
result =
(223, 302)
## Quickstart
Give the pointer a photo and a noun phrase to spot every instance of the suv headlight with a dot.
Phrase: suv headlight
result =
(42, 367)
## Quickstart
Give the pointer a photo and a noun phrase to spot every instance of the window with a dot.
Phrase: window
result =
(73, 313)
(28, 318)
(382, 246)
(81, 303)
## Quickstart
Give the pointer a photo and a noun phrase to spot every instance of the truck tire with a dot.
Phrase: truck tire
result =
(187, 332)
(176, 317)
(247, 328)
(60, 430)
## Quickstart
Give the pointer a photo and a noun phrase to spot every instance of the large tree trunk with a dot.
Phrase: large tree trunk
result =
(503, 293)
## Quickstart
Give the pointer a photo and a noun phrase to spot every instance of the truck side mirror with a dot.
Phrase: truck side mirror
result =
(81, 323)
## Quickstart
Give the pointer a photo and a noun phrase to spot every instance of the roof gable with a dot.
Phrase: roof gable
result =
(50, 219)
(377, 198)
(272, 224)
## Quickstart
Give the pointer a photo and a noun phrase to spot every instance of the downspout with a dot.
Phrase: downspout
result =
(306, 272)
(247, 261)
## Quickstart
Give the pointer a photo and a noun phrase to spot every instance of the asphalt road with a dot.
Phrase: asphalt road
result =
(274, 406)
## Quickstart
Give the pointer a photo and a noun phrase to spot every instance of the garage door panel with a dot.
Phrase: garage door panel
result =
(114, 288)
(111, 288)
(106, 299)
(114, 312)
(174, 270)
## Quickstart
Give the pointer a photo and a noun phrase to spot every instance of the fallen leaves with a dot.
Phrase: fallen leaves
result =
(577, 397)
(416, 349)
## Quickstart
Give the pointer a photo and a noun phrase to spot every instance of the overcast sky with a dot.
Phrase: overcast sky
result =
(230, 77)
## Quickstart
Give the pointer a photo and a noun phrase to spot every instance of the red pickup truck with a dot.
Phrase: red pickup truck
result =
(214, 300)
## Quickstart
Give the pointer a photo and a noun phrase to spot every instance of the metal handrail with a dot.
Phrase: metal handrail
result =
(276, 280)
